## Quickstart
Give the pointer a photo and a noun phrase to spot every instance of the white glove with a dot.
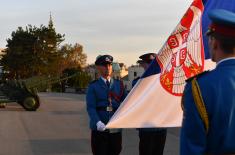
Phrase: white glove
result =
(100, 126)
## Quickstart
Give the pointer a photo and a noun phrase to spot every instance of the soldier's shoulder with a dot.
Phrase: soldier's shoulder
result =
(93, 82)
(200, 75)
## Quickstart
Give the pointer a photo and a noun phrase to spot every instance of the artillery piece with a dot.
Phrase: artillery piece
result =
(24, 92)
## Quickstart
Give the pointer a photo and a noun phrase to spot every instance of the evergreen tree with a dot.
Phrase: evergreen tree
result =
(32, 51)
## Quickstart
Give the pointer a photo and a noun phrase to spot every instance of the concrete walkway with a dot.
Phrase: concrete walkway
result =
(59, 127)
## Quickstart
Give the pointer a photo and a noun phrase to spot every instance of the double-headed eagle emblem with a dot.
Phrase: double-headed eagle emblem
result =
(182, 56)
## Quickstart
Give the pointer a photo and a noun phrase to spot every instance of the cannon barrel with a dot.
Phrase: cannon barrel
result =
(24, 91)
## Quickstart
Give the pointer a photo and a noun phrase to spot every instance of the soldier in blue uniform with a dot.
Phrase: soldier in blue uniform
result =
(152, 140)
(103, 98)
(209, 98)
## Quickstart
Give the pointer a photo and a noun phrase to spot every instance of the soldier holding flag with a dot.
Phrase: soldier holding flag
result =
(209, 100)
(152, 140)
(103, 98)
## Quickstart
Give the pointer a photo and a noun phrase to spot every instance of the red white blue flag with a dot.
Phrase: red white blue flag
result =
(182, 56)
(155, 101)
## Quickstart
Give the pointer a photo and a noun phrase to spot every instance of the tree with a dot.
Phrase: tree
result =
(72, 56)
(32, 51)
(81, 80)
(18, 55)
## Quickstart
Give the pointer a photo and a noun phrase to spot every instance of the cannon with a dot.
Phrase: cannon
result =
(17, 91)
(24, 92)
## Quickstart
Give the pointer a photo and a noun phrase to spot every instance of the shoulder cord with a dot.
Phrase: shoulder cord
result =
(197, 96)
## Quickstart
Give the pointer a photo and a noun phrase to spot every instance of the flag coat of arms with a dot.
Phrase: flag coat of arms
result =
(155, 101)
(182, 56)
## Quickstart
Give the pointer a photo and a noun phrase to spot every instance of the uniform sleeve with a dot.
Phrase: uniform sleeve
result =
(91, 106)
(193, 133)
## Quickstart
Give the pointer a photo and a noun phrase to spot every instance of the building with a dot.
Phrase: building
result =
(134, 72)
(119, 70)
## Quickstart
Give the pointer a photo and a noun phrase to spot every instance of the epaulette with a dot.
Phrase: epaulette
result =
(197, 76)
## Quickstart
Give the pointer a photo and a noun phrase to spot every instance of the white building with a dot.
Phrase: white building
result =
(119, 70)
(134, 72)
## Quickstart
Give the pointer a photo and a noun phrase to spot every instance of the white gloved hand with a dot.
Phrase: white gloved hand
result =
(100, 126)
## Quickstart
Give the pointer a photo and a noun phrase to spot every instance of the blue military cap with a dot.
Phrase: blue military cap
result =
(103, 60)
(223, 22)
(147, 58)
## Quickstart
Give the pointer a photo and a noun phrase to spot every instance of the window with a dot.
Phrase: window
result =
(135, 74)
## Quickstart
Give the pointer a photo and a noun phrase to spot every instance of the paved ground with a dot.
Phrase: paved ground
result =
(59, 127)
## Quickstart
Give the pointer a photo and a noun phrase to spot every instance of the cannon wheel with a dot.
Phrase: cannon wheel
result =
(30, 103)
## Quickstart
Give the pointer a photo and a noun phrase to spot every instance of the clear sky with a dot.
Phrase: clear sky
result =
(122, 28)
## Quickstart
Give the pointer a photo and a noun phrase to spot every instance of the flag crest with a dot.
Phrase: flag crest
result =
(182, 56)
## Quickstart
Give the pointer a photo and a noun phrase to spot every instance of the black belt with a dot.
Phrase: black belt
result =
(105, 109)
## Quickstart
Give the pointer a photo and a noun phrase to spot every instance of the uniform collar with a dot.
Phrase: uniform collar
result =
(225, 61)
(103, 82)
(105, 79)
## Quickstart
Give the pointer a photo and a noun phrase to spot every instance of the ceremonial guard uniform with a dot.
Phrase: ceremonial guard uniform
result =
(152, 140)
(209, 98)
(103, 98)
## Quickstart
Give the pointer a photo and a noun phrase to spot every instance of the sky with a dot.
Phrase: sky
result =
(124, 29)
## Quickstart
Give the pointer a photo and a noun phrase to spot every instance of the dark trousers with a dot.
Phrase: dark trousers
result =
(152, 142)
(105, 143)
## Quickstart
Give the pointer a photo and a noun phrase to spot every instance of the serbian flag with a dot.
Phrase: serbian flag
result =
(155, 101)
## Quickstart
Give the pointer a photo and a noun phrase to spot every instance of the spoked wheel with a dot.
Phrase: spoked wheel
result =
(30, 103)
